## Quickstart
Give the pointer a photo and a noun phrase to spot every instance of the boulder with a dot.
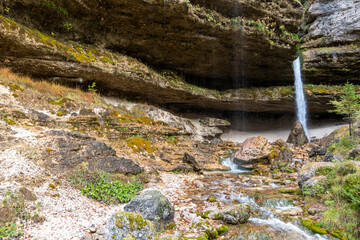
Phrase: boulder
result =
(38, 116)
(212, 213)
(285, 155)
(127, 225)
(235, 214)
(191, 160)
(186, 126)
(355, 152)
(332, 157)
(253, 150)
(308, 171)
(153, 206)
(318, 151)
(206, 227)
(297, 135)
(314, 186)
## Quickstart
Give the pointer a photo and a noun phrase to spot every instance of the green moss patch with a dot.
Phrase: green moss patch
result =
(313, 226)
(139, 144)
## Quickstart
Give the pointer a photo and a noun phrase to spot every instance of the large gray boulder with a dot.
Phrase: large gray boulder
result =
(236, 214)
(253, 150)
(126, 225)
(297, 135)
(154, 206)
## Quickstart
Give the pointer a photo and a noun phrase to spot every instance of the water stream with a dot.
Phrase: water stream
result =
(270, 212)
(300, 96)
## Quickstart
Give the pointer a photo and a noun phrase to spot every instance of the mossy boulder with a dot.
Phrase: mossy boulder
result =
(212, 213)
(206, 227)
(127, 225)
(309, 171)
(154, 206)
(315, 186)
(235, 214)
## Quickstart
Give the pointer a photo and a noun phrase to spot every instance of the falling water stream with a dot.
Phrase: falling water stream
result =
(300, 96)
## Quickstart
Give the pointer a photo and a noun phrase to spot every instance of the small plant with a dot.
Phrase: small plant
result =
(101, 187)
(10, 231)
(92, 87)
(7, 10)
(67, 26)
(60, 113)
(9, 121)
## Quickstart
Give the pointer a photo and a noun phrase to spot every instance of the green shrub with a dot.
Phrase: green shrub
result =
(10, 231)
(341, 217)
(344, 145)
(13, 213)
(324, 170)
(345, 168)
(351, 189)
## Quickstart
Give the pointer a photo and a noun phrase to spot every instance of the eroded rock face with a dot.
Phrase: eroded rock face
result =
(154, 206)
(254, 150)
(331, 43)
(201, 39)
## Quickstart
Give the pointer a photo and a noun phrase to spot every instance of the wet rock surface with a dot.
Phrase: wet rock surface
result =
(235, 214)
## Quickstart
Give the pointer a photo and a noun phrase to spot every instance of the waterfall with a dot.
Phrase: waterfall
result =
(300, 96)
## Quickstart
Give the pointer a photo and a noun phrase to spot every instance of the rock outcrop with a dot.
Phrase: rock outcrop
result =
(331, 48)
(212, 40)
(74, 149)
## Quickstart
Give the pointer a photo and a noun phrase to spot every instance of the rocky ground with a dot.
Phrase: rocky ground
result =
(50, 133)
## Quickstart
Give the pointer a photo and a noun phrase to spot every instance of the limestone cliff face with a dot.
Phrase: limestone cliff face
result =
(331, 48)
(29, 51)
(225, 43)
